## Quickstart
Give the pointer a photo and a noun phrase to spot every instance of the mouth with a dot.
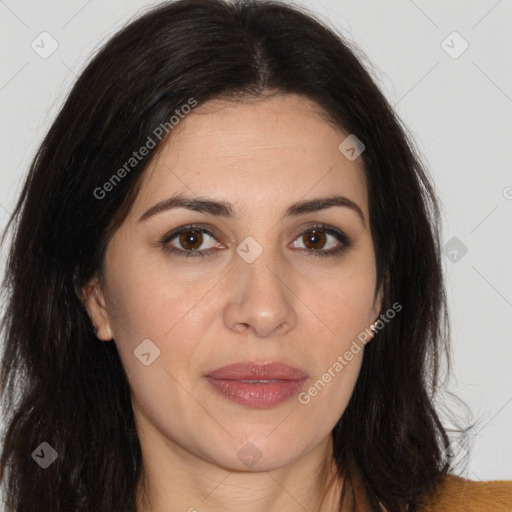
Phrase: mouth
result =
(257, 385)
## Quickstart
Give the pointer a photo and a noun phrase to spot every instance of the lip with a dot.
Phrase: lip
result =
(252, 370)
(280, 383)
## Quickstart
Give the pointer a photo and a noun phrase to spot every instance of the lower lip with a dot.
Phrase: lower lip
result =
(259, 396)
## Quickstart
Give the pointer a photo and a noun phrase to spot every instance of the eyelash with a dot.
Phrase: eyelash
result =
(339, 235)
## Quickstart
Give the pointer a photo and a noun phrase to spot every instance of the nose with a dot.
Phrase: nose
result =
(261, 301)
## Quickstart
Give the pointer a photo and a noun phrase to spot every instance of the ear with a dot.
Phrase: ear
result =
(377, 306)
(94, 302)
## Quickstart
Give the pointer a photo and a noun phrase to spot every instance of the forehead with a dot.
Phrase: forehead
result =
(262, 151)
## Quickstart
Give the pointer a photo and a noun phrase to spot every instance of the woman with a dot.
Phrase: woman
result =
(224, 287)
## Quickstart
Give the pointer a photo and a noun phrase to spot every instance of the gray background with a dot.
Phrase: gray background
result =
(457, 106)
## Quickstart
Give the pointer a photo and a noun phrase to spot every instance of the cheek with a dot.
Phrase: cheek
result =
(144, 307)
(344, 302)
(148, 300)
(325, 398)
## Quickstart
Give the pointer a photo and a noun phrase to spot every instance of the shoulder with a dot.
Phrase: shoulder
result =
(456, 494)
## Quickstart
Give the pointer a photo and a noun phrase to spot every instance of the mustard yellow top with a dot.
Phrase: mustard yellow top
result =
(456, 494)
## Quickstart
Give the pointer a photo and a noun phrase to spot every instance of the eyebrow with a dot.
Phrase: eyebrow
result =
(226, 210)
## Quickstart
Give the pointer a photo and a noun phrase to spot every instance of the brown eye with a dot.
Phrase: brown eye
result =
(314, 239)
(323, 241)
(191, 240)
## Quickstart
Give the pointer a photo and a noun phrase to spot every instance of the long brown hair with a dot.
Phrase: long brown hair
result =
(62, 386)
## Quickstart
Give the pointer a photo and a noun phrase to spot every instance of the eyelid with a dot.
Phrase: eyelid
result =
(190, 227)
(337, 233)
(340, 235)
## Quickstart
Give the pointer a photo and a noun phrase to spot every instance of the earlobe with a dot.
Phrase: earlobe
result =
(94, 303)
(373, 329)
(377, 304)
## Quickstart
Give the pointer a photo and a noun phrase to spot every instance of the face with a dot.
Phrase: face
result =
(269, 275)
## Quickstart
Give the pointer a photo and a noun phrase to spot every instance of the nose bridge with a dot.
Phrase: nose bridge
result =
(258, 268)
(260, 297)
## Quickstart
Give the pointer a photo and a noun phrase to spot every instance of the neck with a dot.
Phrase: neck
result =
(175, 480)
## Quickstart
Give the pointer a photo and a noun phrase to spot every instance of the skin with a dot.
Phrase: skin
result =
(288, 305)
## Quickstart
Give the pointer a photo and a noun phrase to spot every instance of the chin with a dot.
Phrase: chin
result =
(254, 451)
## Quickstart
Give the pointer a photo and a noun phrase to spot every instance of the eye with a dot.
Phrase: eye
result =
(322, 240)
(196, 240)
(190, 241)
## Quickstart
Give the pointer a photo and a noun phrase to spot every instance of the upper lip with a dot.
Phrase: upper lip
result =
(254, 371)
